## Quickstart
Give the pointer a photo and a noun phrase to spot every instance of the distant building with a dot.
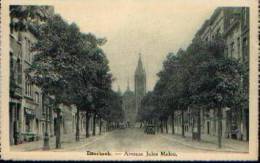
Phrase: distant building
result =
(129, 106)
(132, 100)
(140, 83)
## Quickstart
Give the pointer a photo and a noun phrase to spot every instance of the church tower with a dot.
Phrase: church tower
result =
(140, 83)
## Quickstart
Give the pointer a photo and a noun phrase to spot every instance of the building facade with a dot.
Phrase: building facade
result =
(140, 83)
(27, 116)
(132, 100)
(129, 106)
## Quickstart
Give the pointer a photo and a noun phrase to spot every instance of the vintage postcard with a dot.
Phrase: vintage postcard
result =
(129, 80)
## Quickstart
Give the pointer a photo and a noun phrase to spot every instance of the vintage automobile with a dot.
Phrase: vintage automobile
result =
(122, 125)
(149, 129)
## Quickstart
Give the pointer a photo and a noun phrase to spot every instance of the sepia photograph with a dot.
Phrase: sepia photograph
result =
(129, 80)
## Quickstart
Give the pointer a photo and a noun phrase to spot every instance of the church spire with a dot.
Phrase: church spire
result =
(139, 68)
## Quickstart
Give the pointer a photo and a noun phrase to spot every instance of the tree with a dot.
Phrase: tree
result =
(89, 77)
(102, 84)
(171, 88)
(56, 51)
(146, 114)
(170, 76)
(216, 82)
(200, 78)
(115, 113)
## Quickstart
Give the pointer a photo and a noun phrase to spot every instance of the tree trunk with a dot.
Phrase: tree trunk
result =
(94, 125)
(219, 128)
(157, 126)
(46, 142)
(182, 123)
(161, 125)
(193, 123)
(100, 125)
(166, 125)
(87, 124)
(173, 130)
(77, 125)
(199, 125)
(58, 142)
(107, 126)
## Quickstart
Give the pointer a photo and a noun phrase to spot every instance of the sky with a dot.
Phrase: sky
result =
(132, 27)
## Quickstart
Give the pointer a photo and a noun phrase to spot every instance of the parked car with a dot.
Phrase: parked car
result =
(122, 125)
(234, 133)
(149, 129)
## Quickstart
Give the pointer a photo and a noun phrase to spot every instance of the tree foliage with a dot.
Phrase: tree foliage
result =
(202, 76)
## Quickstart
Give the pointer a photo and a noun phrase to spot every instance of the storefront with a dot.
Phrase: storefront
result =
(29, 119)
(29, 133)
(14, 121)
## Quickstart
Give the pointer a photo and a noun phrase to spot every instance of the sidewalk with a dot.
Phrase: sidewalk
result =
(67, 141)
(209, 143)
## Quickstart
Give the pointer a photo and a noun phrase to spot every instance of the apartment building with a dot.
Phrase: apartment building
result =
(27, 116)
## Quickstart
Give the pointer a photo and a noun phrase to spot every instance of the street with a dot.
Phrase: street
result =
(134, 139)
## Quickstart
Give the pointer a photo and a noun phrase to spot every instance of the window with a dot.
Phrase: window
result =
(232, 20)
(20, 37)
(231, 49)
(12, 30)
(28, 87)
(28, 49)
(26, 54)
(11, 64)
(43, 129)
(37, 97)
(28, 126)
(245, 48)
(218, 32)
(226, 50)
(43, 110)
(19, 71)
(245, 16)
(238, 47)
